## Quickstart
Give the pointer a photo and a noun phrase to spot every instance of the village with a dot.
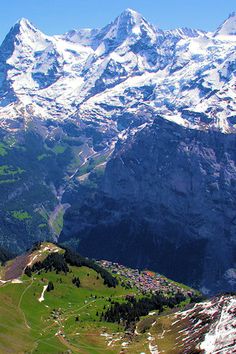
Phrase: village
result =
(145, 281)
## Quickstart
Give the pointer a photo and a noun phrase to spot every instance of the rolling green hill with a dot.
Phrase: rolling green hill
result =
(73, 316)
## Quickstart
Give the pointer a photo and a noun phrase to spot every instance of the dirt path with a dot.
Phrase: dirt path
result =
(20, 301)
(16, 269)
(67, 344)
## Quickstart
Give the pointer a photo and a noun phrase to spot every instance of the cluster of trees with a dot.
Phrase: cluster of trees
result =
(59, 263)
(54, 261)
(28, 271)
(76, 281)
(77, 260)
(50, 286)
(131, 311)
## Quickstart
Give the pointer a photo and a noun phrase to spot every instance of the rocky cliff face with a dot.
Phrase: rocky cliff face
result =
(168, 200)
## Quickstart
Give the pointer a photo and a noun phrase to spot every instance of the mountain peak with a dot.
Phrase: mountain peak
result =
(130, 17)
(23, 24)
(129, 24)
(131, 13)
(21, 36)
(228, 28)
(23, 21)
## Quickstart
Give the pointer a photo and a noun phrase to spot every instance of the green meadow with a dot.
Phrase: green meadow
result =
(28, 325)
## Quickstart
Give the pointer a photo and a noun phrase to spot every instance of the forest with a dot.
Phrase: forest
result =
(130, 311)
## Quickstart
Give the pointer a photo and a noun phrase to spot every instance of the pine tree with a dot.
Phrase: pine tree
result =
(50, 286)
(28, 271)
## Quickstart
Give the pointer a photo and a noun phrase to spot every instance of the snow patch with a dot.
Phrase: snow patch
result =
(17, 281)
(222, 334)
(41, 299)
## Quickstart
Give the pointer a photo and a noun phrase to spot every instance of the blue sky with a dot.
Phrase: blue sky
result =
(59, 16)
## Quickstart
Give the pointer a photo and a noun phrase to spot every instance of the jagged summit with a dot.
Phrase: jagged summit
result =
(185, 32)
(89, 61)
(133, 21)
(25, 32)
(24, 26)
(228, 28)
(131, 16)
(24, 22)
(129, 24)
(131, 12)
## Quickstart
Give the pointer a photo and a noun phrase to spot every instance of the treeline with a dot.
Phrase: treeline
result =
(53, 262)
(130, 312)
(77, 260)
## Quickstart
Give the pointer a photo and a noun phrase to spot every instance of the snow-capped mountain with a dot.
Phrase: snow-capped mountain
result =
(228, 28)
(128, 66)
(130, 131)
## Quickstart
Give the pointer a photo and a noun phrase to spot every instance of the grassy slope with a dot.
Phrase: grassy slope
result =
(28, 325)
(172, 335)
